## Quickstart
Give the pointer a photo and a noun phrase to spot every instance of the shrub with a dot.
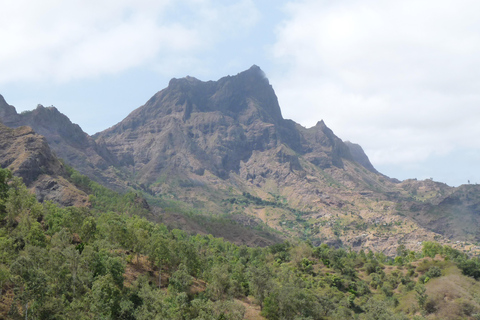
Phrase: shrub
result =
(430, 306)
(434, 272)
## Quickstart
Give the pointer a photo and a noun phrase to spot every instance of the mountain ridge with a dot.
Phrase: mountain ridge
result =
(245, 103)
(223, 148)
(66, 139)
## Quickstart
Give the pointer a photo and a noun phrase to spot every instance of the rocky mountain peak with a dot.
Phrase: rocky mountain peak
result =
(46, 121)
(193, 126)
(6, 111)
(213, 125)
(253, 87)
(67, 139)
(244, 97)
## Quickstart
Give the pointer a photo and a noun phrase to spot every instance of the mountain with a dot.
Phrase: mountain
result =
(223, 149)
(66, 139)
(28, 156)
(194, 126)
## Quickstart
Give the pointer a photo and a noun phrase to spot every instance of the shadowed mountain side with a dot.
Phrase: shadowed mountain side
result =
(453, 212)
(359, 156)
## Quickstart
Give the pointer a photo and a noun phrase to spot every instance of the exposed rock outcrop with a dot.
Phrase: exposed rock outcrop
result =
(28, 156)
(194, 126)
(66, 139)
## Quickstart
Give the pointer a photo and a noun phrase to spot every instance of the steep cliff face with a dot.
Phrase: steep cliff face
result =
(28, 156)
(66, 139)
(359, 156)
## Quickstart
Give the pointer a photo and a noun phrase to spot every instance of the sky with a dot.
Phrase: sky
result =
(400, 78)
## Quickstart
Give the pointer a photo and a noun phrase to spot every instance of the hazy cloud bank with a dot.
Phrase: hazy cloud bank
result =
(65, 40)
(400, 78)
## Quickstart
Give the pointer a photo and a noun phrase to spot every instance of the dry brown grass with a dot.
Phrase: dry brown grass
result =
(252, 310)
(197, 286)
(453, 296)
(6, 300)
(134, 269)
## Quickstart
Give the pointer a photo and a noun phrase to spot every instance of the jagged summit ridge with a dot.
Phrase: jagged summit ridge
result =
(190, 126)
(66, 139)
(245, 97)
(193, 126)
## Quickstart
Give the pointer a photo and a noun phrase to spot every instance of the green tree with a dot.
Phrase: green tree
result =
(159, 253)
(430, 249)
(31, 282)
(138, 234)
(421, 295)
(260, 282)
(377, 309)
(88, 229)
(21, 202)
(181, 280)
(4, 276)
(5, 176)
(153, 304)
(219, 282)
(470, 267)
(105, 297)
(72, 261)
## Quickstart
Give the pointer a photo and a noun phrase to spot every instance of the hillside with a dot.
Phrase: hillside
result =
(28, 156)
(222, 149)
(100, 263)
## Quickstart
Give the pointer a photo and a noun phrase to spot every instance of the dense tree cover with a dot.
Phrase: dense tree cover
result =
(77, 263)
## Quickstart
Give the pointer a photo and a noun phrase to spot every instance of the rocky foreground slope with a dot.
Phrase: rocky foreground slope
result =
(223, 148)
(28, 156)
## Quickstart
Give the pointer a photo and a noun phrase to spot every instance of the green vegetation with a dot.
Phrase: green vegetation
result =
(107, 262)
(103, 199)
(248, 198)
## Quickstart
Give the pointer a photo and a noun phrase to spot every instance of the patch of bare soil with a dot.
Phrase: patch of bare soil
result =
(252, 311)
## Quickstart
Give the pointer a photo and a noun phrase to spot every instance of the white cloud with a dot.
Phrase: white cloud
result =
(399, 77)
(64, 40)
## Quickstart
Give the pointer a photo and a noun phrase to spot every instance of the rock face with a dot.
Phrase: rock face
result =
(194, 126)
(28, 156)
(67, 140)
